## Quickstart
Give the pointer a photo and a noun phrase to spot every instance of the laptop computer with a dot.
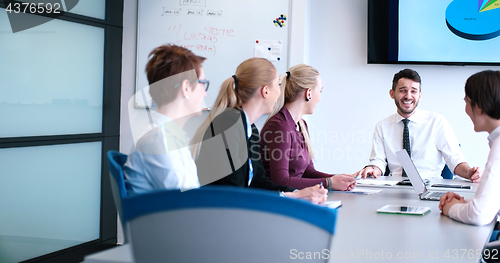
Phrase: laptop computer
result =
(416, 179)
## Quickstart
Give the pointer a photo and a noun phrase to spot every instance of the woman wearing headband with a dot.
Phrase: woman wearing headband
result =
(285, 146)
(226, 146)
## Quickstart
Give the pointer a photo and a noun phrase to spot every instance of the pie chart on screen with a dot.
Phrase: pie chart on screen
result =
(474, 19)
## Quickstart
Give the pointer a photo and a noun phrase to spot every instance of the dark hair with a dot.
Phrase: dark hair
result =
(407, 74)
(483, 90)
(165, 61)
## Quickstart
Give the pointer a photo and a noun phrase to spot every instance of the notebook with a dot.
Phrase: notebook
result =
(416, 179)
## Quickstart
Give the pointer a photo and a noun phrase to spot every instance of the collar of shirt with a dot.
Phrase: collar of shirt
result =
(172, 129)
(493, 135)
(249, 126)
(415, 117)
(288, 118)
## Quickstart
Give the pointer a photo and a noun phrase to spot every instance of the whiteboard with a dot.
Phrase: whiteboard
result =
(223, 31)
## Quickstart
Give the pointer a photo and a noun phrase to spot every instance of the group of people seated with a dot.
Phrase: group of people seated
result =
(228, 149)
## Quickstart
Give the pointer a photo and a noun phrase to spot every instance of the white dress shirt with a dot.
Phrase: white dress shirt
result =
(432, 144)
(161, 160)
(485, 205)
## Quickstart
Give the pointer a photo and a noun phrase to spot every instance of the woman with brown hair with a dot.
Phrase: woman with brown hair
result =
(161, 159)
(482, 104)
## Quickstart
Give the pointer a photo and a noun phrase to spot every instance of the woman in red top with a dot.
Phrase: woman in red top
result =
(285, 146)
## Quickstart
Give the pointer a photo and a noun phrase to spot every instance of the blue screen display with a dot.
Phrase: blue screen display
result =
(465, 31)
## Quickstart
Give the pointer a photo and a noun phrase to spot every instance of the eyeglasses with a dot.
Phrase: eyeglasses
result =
(205, 83)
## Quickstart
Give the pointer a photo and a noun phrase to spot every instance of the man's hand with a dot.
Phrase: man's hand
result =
(315, 194)
(475, 173)
(343, 182)
(448, 200)
(369, 170)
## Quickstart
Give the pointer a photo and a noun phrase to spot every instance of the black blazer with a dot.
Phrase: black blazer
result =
(231, 132)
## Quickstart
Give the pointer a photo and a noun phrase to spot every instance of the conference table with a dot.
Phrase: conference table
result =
(363, 235)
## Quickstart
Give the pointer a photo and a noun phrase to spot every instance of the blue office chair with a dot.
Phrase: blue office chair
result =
(116, 161)
(446, 173)
(226, 224)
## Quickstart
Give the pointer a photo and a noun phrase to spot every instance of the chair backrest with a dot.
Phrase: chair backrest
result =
(116, 161)
(446, 173)
(227, 224)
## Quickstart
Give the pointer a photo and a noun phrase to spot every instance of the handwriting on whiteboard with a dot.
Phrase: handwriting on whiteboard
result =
(214, 13)
(171, 12)
(195, 12)
(193, 2)
(201, 40)
(191, 12)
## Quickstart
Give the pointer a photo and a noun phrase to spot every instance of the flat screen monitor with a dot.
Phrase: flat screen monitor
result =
(450, 32)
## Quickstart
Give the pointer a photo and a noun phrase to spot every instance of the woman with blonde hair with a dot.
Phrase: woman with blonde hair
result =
(226, 146)
(285, 145)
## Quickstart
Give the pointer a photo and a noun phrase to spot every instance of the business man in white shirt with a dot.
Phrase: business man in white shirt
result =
(427, 137)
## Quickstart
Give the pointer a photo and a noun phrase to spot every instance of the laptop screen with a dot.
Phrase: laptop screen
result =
(411, 172)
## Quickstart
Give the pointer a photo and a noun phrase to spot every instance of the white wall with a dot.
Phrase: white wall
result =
(356, 95)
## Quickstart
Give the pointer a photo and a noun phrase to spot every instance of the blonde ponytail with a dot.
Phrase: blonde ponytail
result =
(307, 140)
(281, 99)
(251, 75)
(301, 77)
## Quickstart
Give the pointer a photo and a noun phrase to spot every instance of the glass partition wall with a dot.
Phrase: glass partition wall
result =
(59, 115)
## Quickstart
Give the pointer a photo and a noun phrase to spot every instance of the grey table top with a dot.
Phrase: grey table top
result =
(363, 235)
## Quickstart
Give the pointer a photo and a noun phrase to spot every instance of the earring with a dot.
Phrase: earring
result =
(187, 97)
(308, 99)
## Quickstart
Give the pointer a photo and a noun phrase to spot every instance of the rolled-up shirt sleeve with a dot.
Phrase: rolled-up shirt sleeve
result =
(378, 156)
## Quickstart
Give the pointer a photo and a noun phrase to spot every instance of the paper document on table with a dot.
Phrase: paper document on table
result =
(331, 204)
(375, 182)
(360, 191)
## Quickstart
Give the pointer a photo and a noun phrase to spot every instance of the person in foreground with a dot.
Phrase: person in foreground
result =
(285, 145)
(482, 104)
(426, 136)
(161, 159)
(226, 146)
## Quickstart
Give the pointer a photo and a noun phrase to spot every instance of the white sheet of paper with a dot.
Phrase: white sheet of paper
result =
(375, 182)
(361, 191)
(332, 204)
(268, 49)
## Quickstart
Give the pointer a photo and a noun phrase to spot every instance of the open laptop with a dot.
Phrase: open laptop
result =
(416, 180)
